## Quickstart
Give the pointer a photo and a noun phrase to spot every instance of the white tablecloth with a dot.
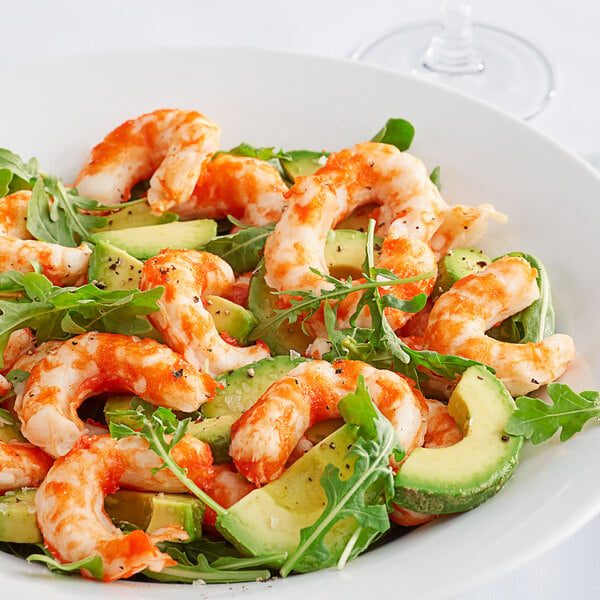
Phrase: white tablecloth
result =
(568, 32)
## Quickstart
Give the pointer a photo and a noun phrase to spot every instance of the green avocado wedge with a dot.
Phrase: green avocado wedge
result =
(270, 519)
(462, 476)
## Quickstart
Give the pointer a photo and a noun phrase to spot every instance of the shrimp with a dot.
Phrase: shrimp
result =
(227, 488)
(410, 206)
(170, 145)
(61, 265)
(183, 321)
(99, 362)
(263, 438)
(442, 431)
(22, 465)
(13, 215)
(460, 318)
(19, 343)
(246, 188)
(70, 512)
(463, 226)
(189, 453)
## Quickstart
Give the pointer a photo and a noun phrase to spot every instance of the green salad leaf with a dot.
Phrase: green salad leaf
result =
(535, 322)
(58, 313)
(265, 153)
(398, 132)
(92, 564)
(363, 496)
(242, 250)
(435, 178)
(539, 421)
(55, 213)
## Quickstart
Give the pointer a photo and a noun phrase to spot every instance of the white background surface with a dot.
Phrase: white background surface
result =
(567, 31)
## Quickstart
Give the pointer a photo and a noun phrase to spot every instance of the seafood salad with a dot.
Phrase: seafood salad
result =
(230, 365)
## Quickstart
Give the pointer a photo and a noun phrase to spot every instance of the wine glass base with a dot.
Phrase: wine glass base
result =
(515, 76)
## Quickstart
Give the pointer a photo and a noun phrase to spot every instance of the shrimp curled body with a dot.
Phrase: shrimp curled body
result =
(183, 321)
(264, 437)
(460, 318)
(170, 145)
(246, 188)
(98, 362)
(61, 265)
(22, 465)
(70, 512)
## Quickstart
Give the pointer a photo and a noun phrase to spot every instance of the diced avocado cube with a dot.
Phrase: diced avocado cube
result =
(459, 477)
(112, 268)
(145, 242)
(138, 215)
(10, 428)
(301, 163)
(17, 518)
(151, 511)
(231, 318)
(458, 263)
(216, 433)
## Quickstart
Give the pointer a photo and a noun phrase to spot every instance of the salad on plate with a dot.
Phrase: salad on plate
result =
(231, 365)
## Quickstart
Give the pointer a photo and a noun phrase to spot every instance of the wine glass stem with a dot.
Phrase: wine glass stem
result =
(453, 50)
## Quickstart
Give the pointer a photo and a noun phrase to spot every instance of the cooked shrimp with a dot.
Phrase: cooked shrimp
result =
(411, 206)
(183, 321)
(19, 343)
(460, 318)
(61, 265)
(13, 215)
(99, 362)
(227, 488)
(70, 513)
(248, 189)
(263, 438)
(463, 226)
(22, 465)
(189, 453)
(442, 431)
(172, 146)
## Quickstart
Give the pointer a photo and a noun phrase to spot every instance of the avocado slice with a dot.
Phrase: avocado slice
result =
(302, 162)
(458, 263)
(138, 215)
(244, 386)
(459, 477)
(18, 523)
(345, 252)
(270, 519)
(145, 510)
(111, 268)
(145, 242)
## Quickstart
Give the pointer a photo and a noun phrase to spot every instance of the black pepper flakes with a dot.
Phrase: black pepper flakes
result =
(178, 373)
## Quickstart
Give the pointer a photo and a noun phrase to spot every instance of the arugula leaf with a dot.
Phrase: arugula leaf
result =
(242, 250)
(226, 571)
(15, 174)
(265, 154)
(161, 423)
(535, 322)
(539, 420)
(363, 496)
(64, 219)
(92, 564)
(398, 132)
(57, 313)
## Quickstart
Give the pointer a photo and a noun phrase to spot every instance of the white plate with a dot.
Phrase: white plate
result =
(58, 111)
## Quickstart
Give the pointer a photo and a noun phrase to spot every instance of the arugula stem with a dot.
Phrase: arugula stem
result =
(307, 304)
(348, 549)
(180, 474)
